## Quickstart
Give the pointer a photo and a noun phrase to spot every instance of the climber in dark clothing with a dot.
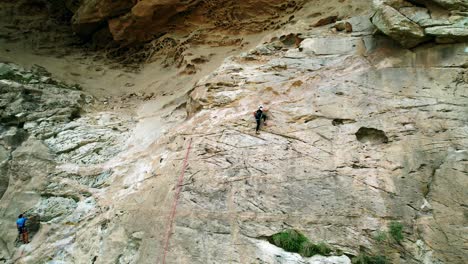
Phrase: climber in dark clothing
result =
(21, 225)
(259, 115)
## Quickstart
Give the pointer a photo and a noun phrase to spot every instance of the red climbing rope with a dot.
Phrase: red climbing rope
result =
(174, 205)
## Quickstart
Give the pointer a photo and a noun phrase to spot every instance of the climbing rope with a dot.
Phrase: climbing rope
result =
(176, 199)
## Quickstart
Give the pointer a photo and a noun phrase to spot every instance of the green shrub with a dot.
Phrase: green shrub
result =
(323, 249)
(381, 236)
(308, 250)
(368, 259)
(289, 240)
(396, 231)
(293, 241)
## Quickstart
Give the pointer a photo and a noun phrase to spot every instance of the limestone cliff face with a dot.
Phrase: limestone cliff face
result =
(362, 132)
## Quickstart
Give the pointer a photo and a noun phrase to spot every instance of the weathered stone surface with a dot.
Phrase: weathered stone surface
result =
(397, 26)
(91, 14)
(90, 139)
(397, 4)
(138, 21)
(360, 133)
(25, 98)
(4, 157)
(328, 103)
(450, 32)
(453, 4)
(361, 23)
(332, 45)
(40, 127)
(53, 207)
(268, 253)
(415, 14)
(434, 22)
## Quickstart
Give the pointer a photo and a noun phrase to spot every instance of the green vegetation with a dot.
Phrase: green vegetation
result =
(293, 241)
(309, 249)
(395, 229)
(381, 236)
(289, 240)
(323, 249)
(385, 241)
(369, 259)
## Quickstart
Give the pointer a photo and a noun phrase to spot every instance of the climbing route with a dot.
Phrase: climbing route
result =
(174, 205)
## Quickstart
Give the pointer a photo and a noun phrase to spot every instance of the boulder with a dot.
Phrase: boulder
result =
(134, 26)
(343, 26)
(92, 14)
(398, 27)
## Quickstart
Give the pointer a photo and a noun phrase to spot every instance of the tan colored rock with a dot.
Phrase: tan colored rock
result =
(397, 26)
(361, 132)
(326, 21)
(146, 18)
(93, 13)
(139, 21)
(344, 26)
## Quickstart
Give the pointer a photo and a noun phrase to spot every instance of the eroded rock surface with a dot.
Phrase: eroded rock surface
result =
(43, 124)
(360, 171)
(137, 21)
(361, 133)
(411, 25)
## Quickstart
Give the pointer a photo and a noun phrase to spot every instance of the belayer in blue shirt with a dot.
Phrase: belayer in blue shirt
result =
(21, 225)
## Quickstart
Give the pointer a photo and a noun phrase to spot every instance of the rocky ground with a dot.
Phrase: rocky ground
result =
(367, 127)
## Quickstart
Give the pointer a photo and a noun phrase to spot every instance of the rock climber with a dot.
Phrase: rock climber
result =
(21, 225)
(259, 115)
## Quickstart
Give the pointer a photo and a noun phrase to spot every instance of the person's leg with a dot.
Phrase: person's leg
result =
(258, 125)
(22, 237)
(264, 119)
(26, 236)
